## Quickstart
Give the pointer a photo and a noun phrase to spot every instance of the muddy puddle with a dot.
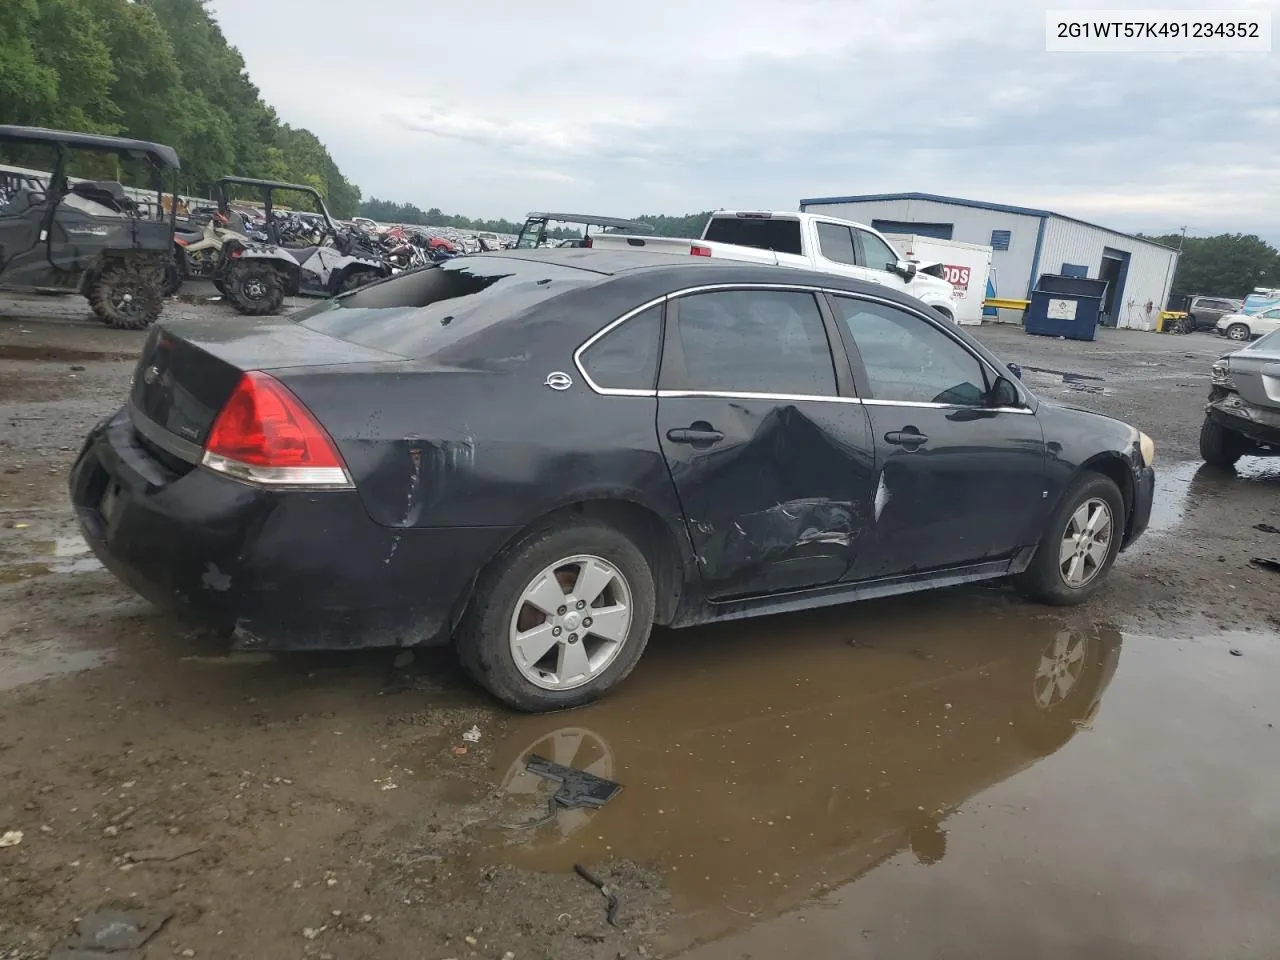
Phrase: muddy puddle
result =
(23, 558)
(888, 779)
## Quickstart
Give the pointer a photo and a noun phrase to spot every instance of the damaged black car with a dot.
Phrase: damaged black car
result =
(538, 455)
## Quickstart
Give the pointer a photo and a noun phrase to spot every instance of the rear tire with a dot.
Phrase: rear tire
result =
(127, 294)
(1220, 447)
(172, 278)
(356, 279)
(254, 289)
(487, 637)
(1074, 556)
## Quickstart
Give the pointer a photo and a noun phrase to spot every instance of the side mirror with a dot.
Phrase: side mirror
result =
(905, 269)
(1015, 370)
(1003, 394)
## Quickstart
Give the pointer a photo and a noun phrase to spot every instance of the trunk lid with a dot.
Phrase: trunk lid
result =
(189, 368)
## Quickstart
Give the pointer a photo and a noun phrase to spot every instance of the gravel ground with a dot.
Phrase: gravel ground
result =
(327, 806)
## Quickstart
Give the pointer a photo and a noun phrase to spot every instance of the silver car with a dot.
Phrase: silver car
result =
(1242, 417)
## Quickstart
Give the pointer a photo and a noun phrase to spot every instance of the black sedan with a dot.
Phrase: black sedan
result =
(540, 454)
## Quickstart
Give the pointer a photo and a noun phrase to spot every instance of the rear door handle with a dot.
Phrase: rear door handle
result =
(911, 438)
(694, 435)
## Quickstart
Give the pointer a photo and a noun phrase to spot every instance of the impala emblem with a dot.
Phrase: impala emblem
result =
(559, 381)
(151, 374)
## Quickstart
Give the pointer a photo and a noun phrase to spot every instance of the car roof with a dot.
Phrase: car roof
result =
(159, 154)
(695, 271)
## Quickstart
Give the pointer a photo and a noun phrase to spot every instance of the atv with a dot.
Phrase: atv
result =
(90, 237)
(302, 254)
(197, 247)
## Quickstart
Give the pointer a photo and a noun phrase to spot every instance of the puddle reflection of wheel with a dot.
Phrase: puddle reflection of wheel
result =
(1064, 679)
(575, 747)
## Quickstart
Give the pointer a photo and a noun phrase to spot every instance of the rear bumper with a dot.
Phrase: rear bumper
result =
(1144, 494)
(284, 569)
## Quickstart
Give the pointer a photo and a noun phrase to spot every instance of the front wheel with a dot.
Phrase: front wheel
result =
(561, 619)
(1220, 447)
(255, 289)
(127, 294)
(1238, 332)
(1079, 544)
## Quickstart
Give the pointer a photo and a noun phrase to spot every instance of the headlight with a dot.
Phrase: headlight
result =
(1148, 448)
(1220, 374)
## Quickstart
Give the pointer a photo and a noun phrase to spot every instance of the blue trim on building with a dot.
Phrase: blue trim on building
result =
(1035, 257)
(959, 202)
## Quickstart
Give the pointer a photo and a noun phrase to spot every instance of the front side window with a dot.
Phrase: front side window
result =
(836, 243)
(755, 341)
(909, 360)
(626, 358)
(876, 254)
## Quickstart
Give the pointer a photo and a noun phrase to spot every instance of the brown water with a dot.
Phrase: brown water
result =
(968, 778)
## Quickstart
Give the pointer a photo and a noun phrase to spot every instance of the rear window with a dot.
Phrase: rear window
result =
(778, 235)
(421, 313)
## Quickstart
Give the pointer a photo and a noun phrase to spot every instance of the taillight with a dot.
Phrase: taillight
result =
(265, 435)
(697, 250)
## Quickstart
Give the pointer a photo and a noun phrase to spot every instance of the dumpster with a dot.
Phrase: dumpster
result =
(1065, 307)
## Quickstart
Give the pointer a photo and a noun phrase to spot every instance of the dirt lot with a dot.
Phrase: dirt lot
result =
(955, 775)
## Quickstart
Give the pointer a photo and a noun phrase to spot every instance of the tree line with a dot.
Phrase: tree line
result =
(158, 70)
(387, 211)
(1227, 265)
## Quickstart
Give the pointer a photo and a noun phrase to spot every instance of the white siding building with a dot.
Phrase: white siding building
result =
(1027, 243)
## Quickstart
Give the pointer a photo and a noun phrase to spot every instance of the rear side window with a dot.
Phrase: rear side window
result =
(836, 243)
(420, 313)
(626, 358)
(763, 233)
(755, 341)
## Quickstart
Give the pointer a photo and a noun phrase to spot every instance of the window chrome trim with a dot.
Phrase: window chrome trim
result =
(735, 395)
(170, 443)
(803, 288)
(586, 377)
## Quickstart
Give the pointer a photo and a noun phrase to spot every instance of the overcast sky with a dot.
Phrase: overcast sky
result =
(498, 107)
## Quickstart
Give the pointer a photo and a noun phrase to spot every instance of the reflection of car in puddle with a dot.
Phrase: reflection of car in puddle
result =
(753, 780)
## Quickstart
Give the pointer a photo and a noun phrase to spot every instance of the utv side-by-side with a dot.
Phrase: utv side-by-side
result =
(536, 232)
(256, 275)
(89, 237)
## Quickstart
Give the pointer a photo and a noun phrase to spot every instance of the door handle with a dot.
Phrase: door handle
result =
(695, 435)
(911, 438)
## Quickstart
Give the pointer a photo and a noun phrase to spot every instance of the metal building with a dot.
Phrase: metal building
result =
(1027, 243)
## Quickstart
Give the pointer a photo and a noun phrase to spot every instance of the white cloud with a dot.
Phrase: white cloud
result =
(674, 106)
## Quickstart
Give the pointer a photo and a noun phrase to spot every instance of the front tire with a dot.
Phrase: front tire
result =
(254, 289)
(127, 294)
(1238, 332)
(1079, 545)
(560, 619)
(1220, 447)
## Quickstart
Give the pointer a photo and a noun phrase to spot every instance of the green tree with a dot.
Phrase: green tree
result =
(28, 86)
(1228, 265)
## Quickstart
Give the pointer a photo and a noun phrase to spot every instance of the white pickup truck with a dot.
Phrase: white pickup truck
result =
(804, 240)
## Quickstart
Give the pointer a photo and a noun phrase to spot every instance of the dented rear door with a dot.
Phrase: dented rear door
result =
(770, 454)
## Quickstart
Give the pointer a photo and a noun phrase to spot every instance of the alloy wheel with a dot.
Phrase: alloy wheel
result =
(1086, 543)
(571, 622)
(1061, 664)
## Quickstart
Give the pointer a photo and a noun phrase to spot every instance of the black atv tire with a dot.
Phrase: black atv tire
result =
(127, 294)
(255, 289)
(172, 278)
(356, 279)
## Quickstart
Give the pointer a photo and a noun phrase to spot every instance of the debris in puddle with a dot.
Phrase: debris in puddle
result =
(459, 751)
(1266, 528)
(11, 838)
(118, 930)
(1267, 563)
(310, 933)
(611, 909)
(472, 735)
(577, 788)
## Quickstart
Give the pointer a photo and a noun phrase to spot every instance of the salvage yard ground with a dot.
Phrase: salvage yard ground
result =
(958, 774)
